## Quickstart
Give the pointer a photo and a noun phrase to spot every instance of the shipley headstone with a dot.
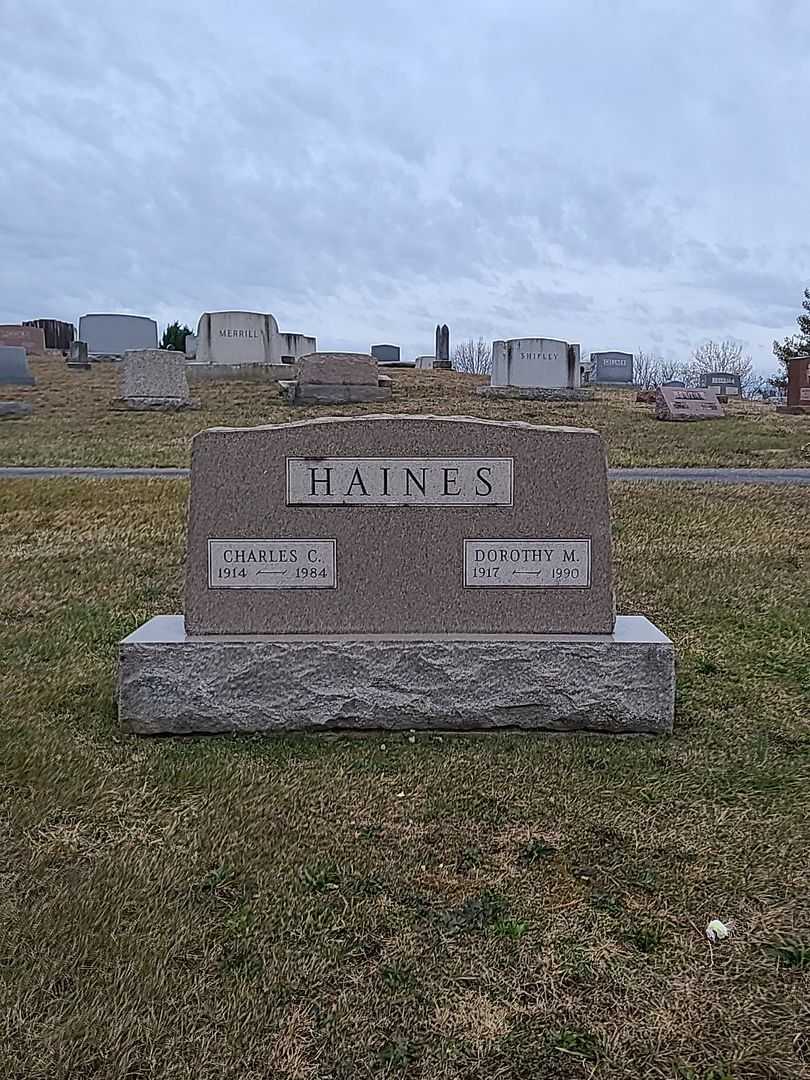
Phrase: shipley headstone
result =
(398, 572)
(541, 368)
(798, 392)
(14, 368)
(690, 403)
(154, 380)
(29, 338)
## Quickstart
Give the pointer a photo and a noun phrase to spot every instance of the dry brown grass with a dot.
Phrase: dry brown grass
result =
(458, 907)
(72, 423)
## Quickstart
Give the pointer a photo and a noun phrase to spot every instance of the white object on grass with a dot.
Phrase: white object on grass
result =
(717, 931)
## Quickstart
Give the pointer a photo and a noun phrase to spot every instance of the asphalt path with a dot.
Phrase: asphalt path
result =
(690, 476)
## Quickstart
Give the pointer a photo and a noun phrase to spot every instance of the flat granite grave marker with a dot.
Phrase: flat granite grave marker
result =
(724, 383)
(14, 368)
(397, 572)
(673, 403)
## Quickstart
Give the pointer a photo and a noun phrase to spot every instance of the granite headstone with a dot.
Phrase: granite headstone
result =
(154, 379)
(58, 334)
(388, 354)
(397, 572)
(29, 338)
(14, 369)
(798, 391)
(111, 335)
(612, 368)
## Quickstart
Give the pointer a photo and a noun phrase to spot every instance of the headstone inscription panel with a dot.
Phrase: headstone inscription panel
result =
(399, 524)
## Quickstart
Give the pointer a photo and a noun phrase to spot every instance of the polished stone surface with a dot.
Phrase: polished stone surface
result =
(400, 568)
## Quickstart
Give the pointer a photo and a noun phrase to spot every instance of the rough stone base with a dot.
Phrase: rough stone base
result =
(170, 683)
(14, 410)
(536, 393)
(152, 405)
(238, 372)
(297, 393)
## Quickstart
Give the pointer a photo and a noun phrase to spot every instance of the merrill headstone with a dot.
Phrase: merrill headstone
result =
(14, 369)
(690, 403)
(539, 368)
(337, 378)
(58, 334)
(237, 337)
(397, 572)
(724, 383)
(388, 354)
(29, 338)
(798, 392)
(154, 379)
(612, 368)
(111, 335)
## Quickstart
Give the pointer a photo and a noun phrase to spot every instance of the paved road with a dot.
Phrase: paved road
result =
(708, 476)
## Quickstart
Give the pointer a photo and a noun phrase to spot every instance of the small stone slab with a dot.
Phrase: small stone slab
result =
(171, 683)
(153, 404)
(238, 372)
(14, 410)
(297, 393)
(338, 369)
(154, 379)
(689, 403)
(535, 393)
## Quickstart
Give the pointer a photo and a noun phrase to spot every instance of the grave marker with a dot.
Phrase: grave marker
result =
(612, 368)
(397, 572)
(798, 393)
(111, 335)
(14, 368)
(387, 354)
(58, 334)
(541, 368)
(336, 378)
(673, 403)
(154, 379)
(29, 338)
(724, 383)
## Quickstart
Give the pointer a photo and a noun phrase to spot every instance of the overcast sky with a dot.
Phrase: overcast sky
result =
(616, 172)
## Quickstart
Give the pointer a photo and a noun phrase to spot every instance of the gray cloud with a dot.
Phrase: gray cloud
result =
(620, 178)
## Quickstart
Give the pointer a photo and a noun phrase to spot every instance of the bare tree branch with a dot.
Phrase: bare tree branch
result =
(473, 357)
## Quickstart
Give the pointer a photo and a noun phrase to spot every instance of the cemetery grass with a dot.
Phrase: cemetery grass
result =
(72, 423)
(501, 906)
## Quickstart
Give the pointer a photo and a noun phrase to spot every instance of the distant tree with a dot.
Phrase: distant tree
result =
(646, 369)
(722, 356)
(473, 357)
(650, 370)
(798, 344)
(174, 337)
